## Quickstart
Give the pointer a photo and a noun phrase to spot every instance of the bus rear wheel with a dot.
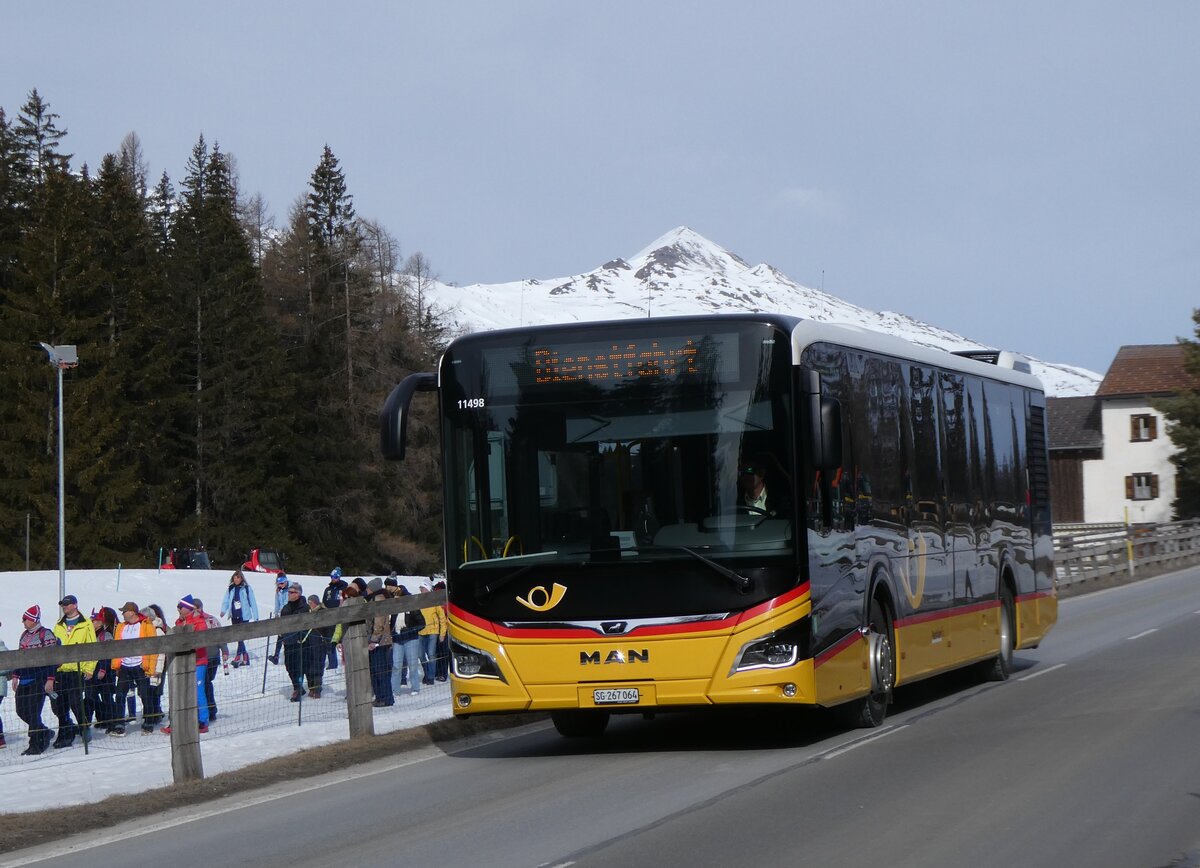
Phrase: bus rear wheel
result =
(870, 710)
(1000, 666)
(581, 723)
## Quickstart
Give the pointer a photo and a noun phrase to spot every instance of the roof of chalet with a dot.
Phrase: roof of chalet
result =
(1074, 423)
(1153, 369)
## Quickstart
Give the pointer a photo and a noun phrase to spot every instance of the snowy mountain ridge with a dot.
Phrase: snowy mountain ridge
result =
(685, 273)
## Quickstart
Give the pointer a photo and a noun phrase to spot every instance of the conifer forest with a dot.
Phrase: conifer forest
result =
(230, 373)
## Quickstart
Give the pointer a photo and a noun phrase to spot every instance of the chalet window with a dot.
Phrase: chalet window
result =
(1143, 426)
(1141, 486)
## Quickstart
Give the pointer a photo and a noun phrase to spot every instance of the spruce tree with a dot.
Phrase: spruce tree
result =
(38, 132)
(52, 299)
(332, 495)
(19, 422)
(159, 207)
(330, 208)
(129, 493)
(1183, 413)
(242, 448)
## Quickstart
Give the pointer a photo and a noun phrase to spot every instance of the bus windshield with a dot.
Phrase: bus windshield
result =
(569, 448)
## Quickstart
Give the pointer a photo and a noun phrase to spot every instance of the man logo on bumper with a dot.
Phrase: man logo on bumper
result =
(587, 658)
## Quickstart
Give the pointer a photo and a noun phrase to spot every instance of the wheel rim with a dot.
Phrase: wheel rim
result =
(880, 650)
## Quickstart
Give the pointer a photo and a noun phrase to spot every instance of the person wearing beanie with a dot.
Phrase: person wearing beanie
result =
(350, 597)
(191, 616)
(216, 653)
(293, 650)
(34, 683)
(408, 630)
(391, 590)
(99, 686)
(72, 629)
(282, 583)
(379, 649)
(133, 672)
(316, 642)
(331, 598)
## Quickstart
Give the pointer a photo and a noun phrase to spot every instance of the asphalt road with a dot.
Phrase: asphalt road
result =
(1087, 756)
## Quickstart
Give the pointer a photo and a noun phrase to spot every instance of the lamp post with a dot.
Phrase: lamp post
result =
(61, 357)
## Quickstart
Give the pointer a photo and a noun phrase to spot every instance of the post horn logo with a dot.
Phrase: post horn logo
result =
(540, 600)
(919, 548)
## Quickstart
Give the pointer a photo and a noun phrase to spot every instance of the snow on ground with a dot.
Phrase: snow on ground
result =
(255, 719)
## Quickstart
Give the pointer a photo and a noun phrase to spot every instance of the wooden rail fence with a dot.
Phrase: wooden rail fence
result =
(181, 644)
(1083, 555)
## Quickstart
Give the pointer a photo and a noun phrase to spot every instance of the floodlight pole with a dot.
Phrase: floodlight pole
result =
(61, 357)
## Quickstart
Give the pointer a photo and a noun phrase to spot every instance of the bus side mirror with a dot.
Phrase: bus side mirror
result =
(393, 419)
(824, 422)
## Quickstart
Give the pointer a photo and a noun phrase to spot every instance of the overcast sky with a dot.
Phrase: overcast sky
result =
(1024, 173)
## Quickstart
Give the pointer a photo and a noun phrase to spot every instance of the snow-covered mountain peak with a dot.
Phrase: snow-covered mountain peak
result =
(684, 238)
(682, 272)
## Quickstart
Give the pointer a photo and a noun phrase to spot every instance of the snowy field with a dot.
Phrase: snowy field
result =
(255, 719)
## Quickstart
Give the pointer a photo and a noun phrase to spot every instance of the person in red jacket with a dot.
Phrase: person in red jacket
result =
(191, 616)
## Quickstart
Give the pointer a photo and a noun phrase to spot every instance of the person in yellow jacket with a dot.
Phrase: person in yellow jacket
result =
(434, 630)
(135, 671)
(73, 628)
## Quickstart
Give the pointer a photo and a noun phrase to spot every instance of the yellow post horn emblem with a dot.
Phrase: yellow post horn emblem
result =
(921, 549)
(549, 599)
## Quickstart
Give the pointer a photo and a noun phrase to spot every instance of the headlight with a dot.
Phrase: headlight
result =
(470, 662)
(779, 650)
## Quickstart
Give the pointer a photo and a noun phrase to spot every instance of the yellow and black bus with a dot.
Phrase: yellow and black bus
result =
(665, 513)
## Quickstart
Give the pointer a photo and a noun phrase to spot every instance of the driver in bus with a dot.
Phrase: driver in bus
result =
(753, 492)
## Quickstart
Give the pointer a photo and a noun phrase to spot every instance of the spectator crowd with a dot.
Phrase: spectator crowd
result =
(406, 652)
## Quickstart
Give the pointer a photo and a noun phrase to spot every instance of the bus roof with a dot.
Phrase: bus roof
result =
(808, 332)
(804, 332)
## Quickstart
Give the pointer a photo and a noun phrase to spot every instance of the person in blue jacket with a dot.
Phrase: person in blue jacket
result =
(281, 599)
(239, 606)
(34, 683)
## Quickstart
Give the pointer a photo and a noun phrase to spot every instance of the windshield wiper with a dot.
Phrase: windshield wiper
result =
(742, 583)
(484, 591)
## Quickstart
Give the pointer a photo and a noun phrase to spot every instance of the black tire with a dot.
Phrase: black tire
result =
(583, 723)
(869, 711)
(1000, 666)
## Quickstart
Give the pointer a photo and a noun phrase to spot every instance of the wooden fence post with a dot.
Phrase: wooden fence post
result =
(358, 681)
(186, 762)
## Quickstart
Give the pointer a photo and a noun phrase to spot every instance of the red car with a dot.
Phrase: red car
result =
(186, 559)
(264, 561)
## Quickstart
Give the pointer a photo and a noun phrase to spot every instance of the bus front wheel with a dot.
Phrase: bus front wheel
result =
(870, 710)
(582, 723)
